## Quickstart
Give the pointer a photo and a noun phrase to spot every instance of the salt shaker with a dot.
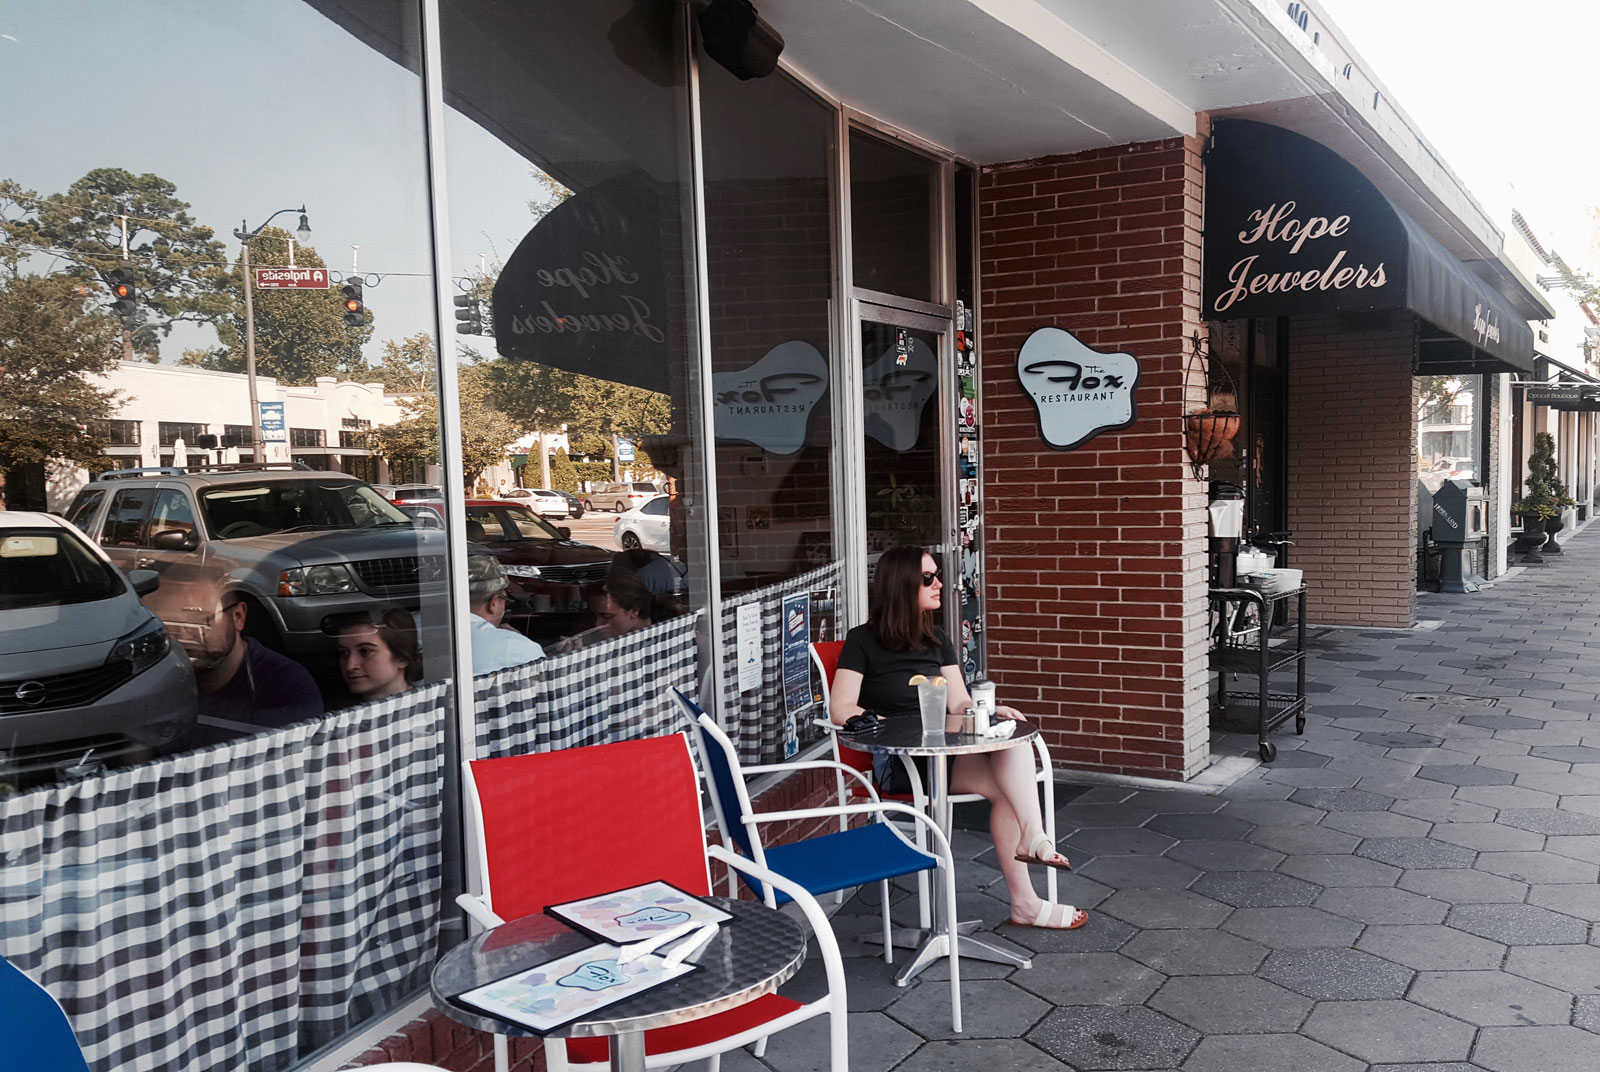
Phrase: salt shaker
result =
(982, 704)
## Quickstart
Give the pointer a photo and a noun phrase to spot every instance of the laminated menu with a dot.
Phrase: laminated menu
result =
(570, 987)
(637, 913)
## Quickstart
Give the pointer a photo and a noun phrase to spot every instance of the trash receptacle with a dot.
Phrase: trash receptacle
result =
(1227, 523)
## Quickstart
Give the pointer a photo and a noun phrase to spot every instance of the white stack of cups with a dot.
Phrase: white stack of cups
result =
(982, 705)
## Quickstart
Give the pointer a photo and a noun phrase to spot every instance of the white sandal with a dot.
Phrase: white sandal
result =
(1074, 917)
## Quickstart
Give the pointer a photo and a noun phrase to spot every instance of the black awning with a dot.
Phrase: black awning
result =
(1291, 228)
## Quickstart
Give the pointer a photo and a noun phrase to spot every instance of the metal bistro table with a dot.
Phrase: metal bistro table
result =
(753, 954)
(904, 737)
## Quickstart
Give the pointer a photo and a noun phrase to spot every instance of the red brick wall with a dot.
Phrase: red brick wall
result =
(1352, 466)
(435, 1039)
(1096, 580)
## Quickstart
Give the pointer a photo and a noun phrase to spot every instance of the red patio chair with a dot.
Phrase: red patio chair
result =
(551, 827)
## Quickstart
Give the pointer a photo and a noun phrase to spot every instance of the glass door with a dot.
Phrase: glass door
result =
(907, 452)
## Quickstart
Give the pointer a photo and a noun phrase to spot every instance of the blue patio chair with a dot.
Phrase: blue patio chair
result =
(876, 852)
(38, 1037)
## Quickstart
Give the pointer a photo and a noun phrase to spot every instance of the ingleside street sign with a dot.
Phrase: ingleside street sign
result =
(291, 278)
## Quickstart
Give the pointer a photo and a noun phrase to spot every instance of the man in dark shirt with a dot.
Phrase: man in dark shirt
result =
(245, 686)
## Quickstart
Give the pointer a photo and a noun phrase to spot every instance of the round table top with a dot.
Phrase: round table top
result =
(753, 954)
(904, 737)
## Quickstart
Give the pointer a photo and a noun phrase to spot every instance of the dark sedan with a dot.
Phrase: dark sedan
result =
(552, 575)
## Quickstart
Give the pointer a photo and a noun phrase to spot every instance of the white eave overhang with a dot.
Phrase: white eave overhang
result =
(994, 81)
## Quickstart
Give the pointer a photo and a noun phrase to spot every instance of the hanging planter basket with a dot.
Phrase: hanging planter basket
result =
(1208, 437)
(1208, 432)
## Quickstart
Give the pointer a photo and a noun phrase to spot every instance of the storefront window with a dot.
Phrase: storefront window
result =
(278, 782)
(894, 200)
(768, 148)
(566, 138)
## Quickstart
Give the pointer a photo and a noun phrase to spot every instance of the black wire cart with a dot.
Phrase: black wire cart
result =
(1256, 635)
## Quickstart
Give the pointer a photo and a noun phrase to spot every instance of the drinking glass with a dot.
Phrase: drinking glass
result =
(931, 700)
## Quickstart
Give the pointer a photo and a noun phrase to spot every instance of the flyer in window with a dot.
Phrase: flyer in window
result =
(636, 913)
(570, 987)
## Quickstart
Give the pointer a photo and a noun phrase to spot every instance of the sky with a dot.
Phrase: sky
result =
(1503, 90)
(247, 109)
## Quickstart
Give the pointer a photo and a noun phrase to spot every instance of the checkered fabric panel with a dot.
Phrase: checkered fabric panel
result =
(755, 719)
(233, 907)
(610, 691)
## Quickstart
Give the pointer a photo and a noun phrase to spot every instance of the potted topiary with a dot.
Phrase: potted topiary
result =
(1571, 512)
(1539, 507)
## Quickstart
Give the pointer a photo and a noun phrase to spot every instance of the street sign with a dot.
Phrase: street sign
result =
(624, 450)
(291, 279)
(272, 430)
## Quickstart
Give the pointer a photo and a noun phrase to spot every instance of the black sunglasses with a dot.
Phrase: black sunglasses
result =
(929, 578)
(862, 723)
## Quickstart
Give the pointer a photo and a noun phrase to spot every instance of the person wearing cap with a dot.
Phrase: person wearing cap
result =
(494, 647)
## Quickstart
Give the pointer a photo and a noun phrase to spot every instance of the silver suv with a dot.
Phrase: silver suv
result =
(619, 498)
(87, 674)
(299, 546)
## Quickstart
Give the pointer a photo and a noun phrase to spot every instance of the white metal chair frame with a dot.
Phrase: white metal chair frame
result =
(880, 809)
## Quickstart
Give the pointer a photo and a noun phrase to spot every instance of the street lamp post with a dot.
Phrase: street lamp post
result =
(258, 449)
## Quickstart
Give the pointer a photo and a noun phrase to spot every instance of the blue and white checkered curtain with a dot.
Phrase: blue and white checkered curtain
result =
(235, 907)
(608, 691)
(755, 718)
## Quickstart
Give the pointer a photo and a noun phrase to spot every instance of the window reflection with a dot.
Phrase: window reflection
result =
(769, 231)
(162, 336)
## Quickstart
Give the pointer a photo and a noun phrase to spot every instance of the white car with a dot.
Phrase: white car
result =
(542, 502)
(647, 525)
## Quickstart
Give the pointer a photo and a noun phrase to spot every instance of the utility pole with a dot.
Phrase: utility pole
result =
(244, 235)
(127, 331)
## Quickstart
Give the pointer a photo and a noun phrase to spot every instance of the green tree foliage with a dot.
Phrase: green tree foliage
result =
(1436, 394)
(179, 265)
(588, 444)
(300, 334)
(51, 340)
(485, 431)
(588, 406)
(563, 474)
(409, 366)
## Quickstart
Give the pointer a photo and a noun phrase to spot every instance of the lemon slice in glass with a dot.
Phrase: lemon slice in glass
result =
(918, 679)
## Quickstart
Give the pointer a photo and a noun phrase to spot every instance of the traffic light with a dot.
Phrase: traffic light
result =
(124, 297)
(469, 315)
(355, 310)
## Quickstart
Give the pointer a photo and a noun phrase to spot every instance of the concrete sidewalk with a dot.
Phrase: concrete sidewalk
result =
(1410, 886)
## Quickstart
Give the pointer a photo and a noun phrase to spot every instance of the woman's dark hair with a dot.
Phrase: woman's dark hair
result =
(894, 618)
(628, 592)
(398, 631)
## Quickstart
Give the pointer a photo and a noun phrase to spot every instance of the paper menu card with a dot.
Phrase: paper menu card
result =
(636, 913)
(570, 987)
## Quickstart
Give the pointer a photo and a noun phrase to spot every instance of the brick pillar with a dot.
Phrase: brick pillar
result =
(1352, 466)
(1096, 556)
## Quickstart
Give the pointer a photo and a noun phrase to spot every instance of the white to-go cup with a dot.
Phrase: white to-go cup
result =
(982, 704)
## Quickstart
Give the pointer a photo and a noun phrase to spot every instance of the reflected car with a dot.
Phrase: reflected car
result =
(552, 576)
(575, 505)
(646, 526)
(88, 675)
(300, 547)
(546, 503)
(620, 497)
(404, 493)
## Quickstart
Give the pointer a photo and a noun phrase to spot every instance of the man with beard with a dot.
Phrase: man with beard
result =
(245, 686)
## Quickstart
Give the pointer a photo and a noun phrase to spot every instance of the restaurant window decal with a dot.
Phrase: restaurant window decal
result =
(1079, 392)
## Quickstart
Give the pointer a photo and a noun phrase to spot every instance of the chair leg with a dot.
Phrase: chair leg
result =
(714, 1062)
(888, 939)
(955, 950)
(760, 1048)
(502, 1054)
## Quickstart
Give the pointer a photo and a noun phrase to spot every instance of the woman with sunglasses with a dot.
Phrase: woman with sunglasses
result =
(902, 640)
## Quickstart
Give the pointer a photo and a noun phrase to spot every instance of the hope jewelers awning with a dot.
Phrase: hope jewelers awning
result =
(1292, 228)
